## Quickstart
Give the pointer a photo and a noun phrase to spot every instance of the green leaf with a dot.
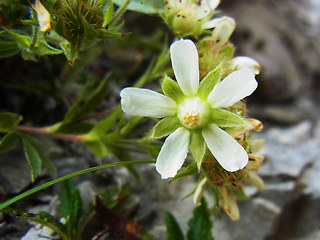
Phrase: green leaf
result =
(200, 224)
(33, 157)
(8, 121)
(189, 170)
(9, 141)
(224, 118)
(172, 90)
(8, 49)
(22, 40)
(197, 147)
(108, 15)
(173, 229)
(166, 126)
(43, 48)
(70, 206)
(105, 125)
(144, 6)
(209, 81)
(132, 123)
(97, 147)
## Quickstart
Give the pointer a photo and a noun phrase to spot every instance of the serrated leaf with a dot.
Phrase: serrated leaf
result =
(197, 147)
(172, 90)
(224, 118)
(189, 170)
(8, 121)
(148, 7)
(70, 206)
(33, 158)
(166, 126)
(200, 224)
(209, 81)
(174, 231)
(8, 142)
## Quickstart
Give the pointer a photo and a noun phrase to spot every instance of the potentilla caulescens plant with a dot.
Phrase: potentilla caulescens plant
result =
(194, 114)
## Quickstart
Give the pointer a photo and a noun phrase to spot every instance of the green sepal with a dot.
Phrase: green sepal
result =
(9, 141)
(172, 90)
(209, 81)
(8, 121)
(173, 229)
(197, 147)
(43, 48)
(166, 126)
(200, 224)
(189, 170)
(224, 118)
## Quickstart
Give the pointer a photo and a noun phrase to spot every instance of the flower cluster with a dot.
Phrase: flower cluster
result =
(194, 113)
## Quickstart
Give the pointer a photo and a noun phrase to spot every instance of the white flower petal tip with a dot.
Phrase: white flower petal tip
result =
(246, 62)
(43, 16)
(185, 64)
(146, 103)
(233, 88)
(223, 28)
(173, 153)
(228, 152)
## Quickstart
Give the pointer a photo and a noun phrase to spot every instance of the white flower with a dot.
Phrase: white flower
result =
(198, 111)
(43, 15)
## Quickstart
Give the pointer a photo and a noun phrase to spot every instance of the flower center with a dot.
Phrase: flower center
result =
(192, 112)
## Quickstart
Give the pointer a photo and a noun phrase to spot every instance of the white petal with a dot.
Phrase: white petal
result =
(233, 88)
(43, 16)
(228, 152)
(246, 62)
(184, 58)
(223, 28)
(207, 7)
(173, 153)
(146, 103)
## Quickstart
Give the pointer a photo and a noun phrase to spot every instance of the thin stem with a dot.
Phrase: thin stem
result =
(63, 178)
(44, 131)
(35, 30)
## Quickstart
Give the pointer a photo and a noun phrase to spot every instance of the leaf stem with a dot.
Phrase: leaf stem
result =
(44, 131)
(63, 178)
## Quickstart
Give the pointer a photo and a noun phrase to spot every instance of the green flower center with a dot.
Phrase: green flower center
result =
(192, 112)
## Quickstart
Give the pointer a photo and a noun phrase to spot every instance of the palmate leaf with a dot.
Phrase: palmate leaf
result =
(70, 206)
(200, 224)
(173, 229)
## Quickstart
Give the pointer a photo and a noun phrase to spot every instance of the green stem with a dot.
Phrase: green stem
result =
(63, 178)
(35, 30)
